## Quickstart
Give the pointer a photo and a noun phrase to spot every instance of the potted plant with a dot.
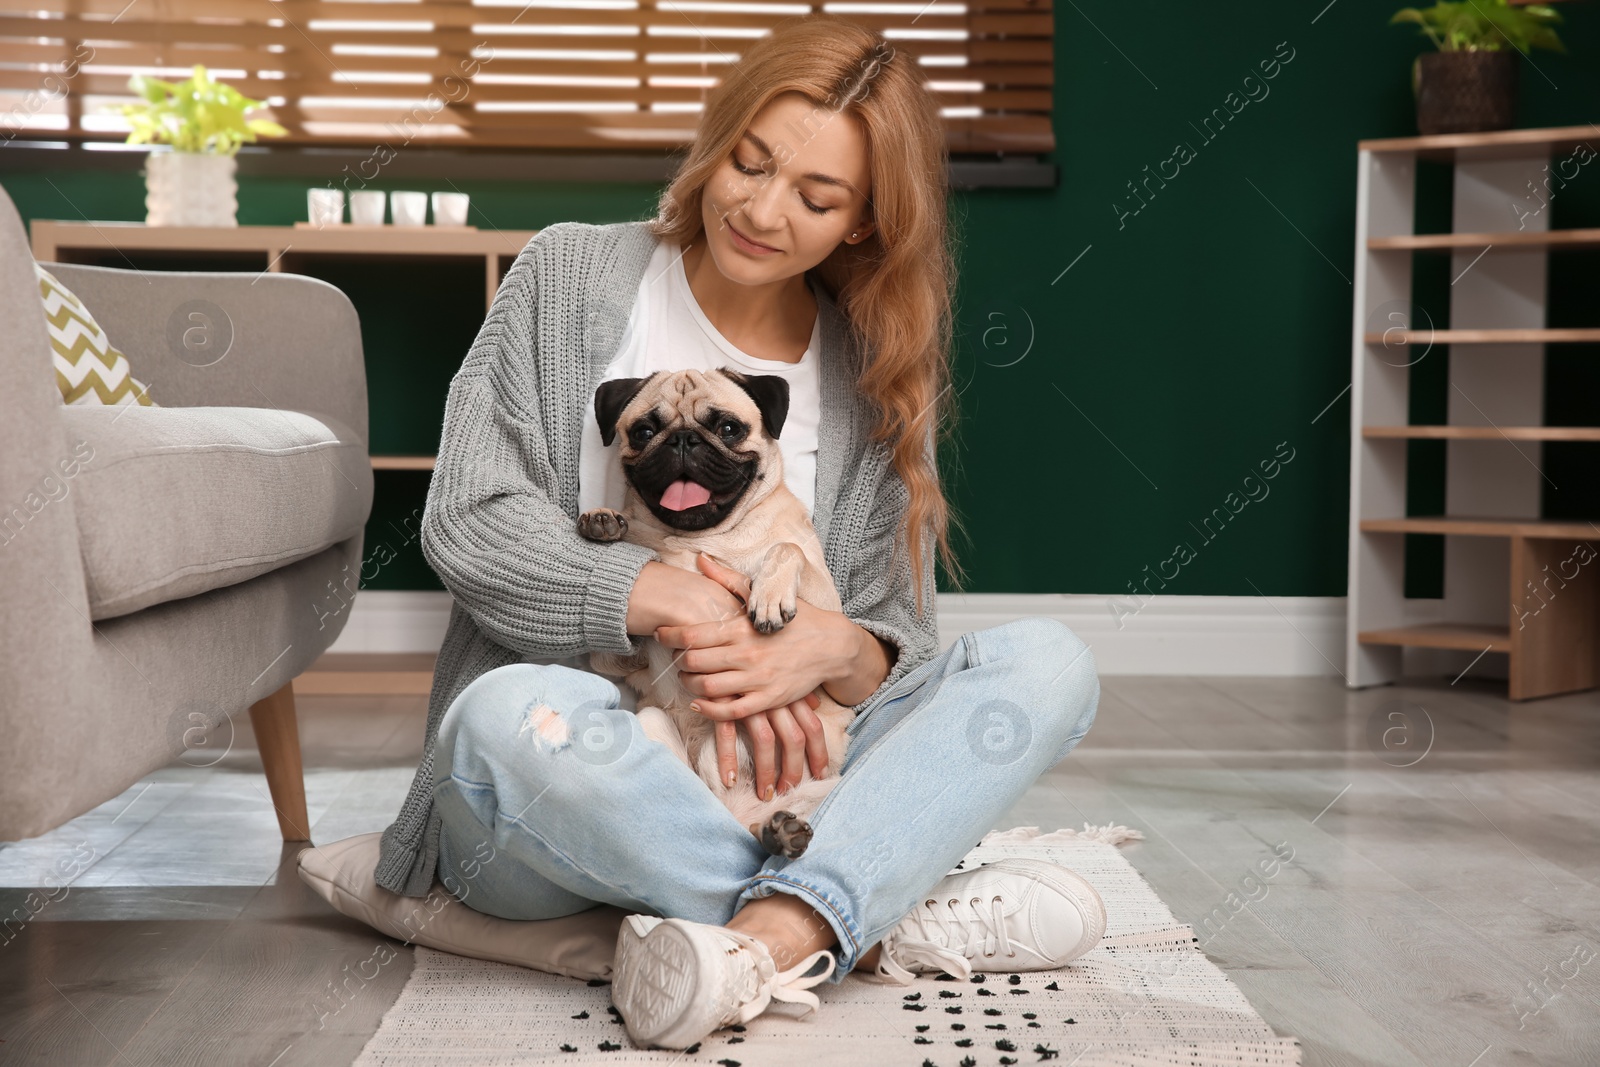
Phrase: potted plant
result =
(1470, 83)
(192, 182)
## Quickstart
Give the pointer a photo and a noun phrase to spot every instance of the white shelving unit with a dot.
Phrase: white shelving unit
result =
(1516, 603)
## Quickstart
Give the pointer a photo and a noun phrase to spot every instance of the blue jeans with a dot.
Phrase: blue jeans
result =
(543, 818)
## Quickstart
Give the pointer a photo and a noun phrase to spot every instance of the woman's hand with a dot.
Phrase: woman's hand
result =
(735, 671)
(795, 727)
(664, 595)
(746, 671)
(769, 679)
(762, 679)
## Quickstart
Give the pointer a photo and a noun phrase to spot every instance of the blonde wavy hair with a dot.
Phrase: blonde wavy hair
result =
(894, 287)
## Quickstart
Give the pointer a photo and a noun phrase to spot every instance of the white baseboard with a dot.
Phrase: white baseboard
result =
(1169, 635)
(395, 621)
(1175, 634)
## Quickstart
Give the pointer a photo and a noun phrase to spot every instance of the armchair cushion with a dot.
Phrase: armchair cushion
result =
(89, 369)
(171, 502)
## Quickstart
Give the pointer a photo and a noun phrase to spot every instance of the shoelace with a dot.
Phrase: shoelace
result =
(949, 953)
(764, 983)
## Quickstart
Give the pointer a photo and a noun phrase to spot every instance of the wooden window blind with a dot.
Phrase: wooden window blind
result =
(508, 73)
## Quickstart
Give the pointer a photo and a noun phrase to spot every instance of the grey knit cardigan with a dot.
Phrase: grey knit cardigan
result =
(500, 524)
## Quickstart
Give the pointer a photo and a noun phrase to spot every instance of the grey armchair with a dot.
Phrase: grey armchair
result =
(163, 569)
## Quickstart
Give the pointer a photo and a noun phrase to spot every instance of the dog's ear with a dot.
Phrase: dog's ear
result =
(610, 399)
(771, 394)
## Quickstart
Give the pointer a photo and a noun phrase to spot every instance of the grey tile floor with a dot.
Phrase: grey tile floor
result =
(1439, 908)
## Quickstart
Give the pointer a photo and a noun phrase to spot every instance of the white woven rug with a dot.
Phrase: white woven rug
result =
(1147, 996)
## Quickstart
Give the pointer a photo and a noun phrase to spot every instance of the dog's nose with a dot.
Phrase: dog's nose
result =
(683, 440)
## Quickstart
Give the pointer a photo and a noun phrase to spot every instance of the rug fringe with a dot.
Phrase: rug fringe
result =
(1109, 834)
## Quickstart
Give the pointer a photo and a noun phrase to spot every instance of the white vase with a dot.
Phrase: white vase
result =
(190, 189)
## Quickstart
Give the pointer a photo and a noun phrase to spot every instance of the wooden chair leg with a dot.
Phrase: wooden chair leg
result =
(278, 738)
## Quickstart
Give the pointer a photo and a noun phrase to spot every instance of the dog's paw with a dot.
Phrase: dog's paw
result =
(771, 612)
(602, 524)
(767, 623)
(775, 587)
(785, 834)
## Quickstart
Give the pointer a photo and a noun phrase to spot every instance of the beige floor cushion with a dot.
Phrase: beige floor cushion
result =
(175, 501)
(578, 946)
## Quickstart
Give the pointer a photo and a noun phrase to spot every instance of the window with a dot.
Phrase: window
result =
(508, 73)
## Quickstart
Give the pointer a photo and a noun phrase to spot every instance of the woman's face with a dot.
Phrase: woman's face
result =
(796, 184)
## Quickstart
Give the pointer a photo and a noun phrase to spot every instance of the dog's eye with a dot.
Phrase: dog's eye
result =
(730, 430)
(639, 435)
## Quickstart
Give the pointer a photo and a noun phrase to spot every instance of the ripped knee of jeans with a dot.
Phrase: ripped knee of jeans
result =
(594, 731)
(548, 730)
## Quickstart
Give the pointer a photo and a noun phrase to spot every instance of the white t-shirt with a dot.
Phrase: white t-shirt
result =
(667, 331)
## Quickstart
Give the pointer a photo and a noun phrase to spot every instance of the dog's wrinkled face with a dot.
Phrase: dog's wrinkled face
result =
(697, 447)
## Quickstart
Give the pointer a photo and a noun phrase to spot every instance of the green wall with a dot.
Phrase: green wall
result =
(1108, 409)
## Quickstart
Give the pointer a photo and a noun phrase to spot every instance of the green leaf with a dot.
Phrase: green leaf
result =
(198, 114)
(154, 90)
(1544, 37)
(1484, 26)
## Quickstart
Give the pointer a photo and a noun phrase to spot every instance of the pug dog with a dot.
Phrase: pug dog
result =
(699, 453)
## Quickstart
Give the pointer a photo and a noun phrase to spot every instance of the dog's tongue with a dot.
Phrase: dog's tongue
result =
(684, 494)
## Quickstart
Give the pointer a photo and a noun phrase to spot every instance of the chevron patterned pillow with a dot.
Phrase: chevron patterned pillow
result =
(89, 369)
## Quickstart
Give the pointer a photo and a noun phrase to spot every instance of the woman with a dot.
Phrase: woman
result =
(806, 234)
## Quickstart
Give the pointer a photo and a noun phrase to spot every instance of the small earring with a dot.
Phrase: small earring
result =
(853, 234)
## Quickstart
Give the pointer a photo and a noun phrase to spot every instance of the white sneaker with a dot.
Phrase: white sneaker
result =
(1009, 915)
(676, 981)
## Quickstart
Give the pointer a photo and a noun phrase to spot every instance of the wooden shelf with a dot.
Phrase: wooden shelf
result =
(1528, 583)
(283, 249)
(1477, 147)
(1485, 433)
(49, 235)
(1462, 526)
(403, 463)
(1395, 338)
(1447, 242)
(373, 227)
(1464, 637)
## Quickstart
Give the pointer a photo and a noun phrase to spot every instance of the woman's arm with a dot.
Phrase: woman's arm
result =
(879, 597)
(493, 529)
